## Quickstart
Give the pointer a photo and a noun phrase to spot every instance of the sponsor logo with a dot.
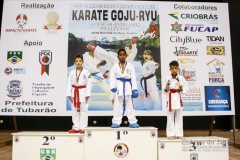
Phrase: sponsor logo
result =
(199, 28)
(174, 15)
(19, 71)
(8, 71)
(185, 40)
(189, 74)
(216, 50)
(176, 27)
(121, 150)
(52, 18)
(47, 153)
(183, 51)
(215, 73)
(45, 59)
(193, 156)
(37, 6)
(199, 16)
(14, 56)
(14, 89)
(22, 21)
(215, 39)
(194, 7)
(186, 61)
(217, 98)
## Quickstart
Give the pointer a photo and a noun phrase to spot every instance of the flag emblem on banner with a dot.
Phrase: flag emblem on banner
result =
(45, 59)
(14, 89)
(47, 154)
(14, 56)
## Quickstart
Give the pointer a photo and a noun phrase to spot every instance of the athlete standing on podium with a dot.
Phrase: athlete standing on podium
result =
(123, 84)
(175, 86)
(78, 92)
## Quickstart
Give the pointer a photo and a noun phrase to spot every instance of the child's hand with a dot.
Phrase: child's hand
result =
(180, 88)
(70, 98)
(167, 88)
(87, 98)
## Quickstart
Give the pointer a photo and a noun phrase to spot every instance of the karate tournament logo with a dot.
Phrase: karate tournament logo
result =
(45, 59)
(121, 150)
(14, 56)
(52, 19)
(14, 89)
(21, 20)
(47, 154)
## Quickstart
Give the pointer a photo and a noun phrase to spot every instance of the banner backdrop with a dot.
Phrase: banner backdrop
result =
(39, 40)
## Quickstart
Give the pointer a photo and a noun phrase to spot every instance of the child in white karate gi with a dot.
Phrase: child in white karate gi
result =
(175, 86)
(123, 84)
(149, 82)
(78, 92)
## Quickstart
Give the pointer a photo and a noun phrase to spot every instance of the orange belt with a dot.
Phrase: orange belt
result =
(77, 96)
(170, 98)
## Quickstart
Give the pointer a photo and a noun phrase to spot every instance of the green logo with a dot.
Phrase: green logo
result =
(14, 56)
(47, 154)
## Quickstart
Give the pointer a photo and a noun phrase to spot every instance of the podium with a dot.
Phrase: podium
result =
(47, 146)
(107, 143)
(121, 143)
(193, 148)
(97, 143)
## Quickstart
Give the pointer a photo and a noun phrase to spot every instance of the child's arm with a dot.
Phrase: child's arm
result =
(183, 87)
(69, 87)
(88, 85)
(112, 80)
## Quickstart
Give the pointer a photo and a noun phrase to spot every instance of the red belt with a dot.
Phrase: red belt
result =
(77, 96)
(170, 98)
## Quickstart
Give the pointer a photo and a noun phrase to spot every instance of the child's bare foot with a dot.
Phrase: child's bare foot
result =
(170, 138)
(180, 137)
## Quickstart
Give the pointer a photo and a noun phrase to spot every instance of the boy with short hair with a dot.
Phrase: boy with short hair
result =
(78, 92)
(123, 84)
(175, 86)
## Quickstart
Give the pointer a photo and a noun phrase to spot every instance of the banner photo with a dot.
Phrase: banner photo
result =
(39, 40)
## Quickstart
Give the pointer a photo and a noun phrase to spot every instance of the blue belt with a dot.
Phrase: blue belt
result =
(94, 74)
(124, 80)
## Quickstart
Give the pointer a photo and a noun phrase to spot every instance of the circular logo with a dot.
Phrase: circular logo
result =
(8, 71)
(121, 150)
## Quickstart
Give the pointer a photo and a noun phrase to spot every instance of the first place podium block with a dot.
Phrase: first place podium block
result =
(121, 143)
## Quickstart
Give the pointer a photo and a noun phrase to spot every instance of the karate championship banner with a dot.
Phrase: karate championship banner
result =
(39, 40)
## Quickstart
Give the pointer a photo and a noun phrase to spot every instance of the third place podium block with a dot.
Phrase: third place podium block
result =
(121, 143)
